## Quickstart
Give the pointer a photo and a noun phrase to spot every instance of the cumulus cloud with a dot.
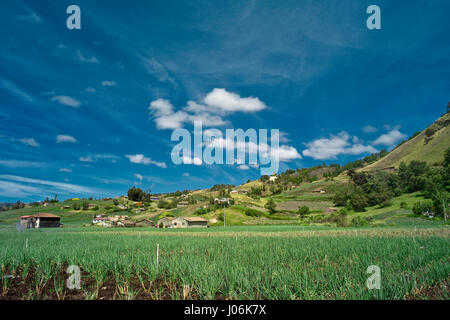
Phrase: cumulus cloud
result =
(330, 148)
(390, 138)
(230, 102)
(211, 111)
(285, 153)
(141, 159)
(369, 129)
(60, 138)
(67, 101)
(29, 142)
(190, 160)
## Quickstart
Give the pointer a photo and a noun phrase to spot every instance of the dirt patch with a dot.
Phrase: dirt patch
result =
(439, 291)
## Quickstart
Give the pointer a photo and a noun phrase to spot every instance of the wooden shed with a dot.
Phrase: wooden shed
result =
(40, 220)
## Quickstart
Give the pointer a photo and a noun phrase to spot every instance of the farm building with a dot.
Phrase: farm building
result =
(40, 220)
(189, 222)
(273, 178)
(222, 200)
(165, 222)
(145, 223)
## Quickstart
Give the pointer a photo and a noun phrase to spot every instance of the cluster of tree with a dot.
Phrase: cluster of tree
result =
(256, 192)
(366, 189)
(136, 194)
(166, 204)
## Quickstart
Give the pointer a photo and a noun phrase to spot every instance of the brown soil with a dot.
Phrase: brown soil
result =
(17, 287)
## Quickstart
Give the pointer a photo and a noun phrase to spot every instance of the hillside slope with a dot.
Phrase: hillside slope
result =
(429, 146)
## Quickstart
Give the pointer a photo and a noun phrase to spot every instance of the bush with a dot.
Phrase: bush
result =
(422, 206)
(95, 208)
(85, 205)
(253, 212)
(76, 206)
(116, 202)
(303, 210)
(403, 205)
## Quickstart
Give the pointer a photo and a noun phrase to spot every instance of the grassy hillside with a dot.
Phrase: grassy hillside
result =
(429, 146)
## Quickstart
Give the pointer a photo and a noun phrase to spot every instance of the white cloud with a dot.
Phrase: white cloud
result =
(90, 89)
(217, 104)
(186, 174)
(21, 164)
(189, 160)
(108, 83)
(65, 170)
(65, 138)
(86, 159)
(31, 17)
(369, 129)
(390, 138)
(141, 159)
(14, 89)
(138, 176)
(230, 102)
(17, 186)
(67, 101)
(29, 142)
(82, 58)
(244, 167)
(330, 148)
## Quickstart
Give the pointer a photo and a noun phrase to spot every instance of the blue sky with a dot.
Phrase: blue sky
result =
(91, 111)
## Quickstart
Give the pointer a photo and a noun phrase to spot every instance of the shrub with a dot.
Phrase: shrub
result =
(95, 208)
(422, 206)
(76, 206)
(303, 210)
(116, 202)
(403, 205)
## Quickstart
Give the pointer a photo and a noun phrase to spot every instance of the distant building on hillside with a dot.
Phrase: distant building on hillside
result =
(273, 178)
(189, 222)
(222, 201)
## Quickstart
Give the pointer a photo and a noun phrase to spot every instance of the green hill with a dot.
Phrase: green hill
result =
(429, 145)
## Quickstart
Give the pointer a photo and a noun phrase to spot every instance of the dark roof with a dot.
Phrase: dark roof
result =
(46, 215)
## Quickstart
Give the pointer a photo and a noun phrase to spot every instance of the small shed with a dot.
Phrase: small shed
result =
(47, 220)
(190, 222)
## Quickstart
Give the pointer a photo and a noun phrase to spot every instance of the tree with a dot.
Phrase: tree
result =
(271, 206)
(85, 205)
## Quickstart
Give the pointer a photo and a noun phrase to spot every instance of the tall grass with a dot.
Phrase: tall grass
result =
(251, 267)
